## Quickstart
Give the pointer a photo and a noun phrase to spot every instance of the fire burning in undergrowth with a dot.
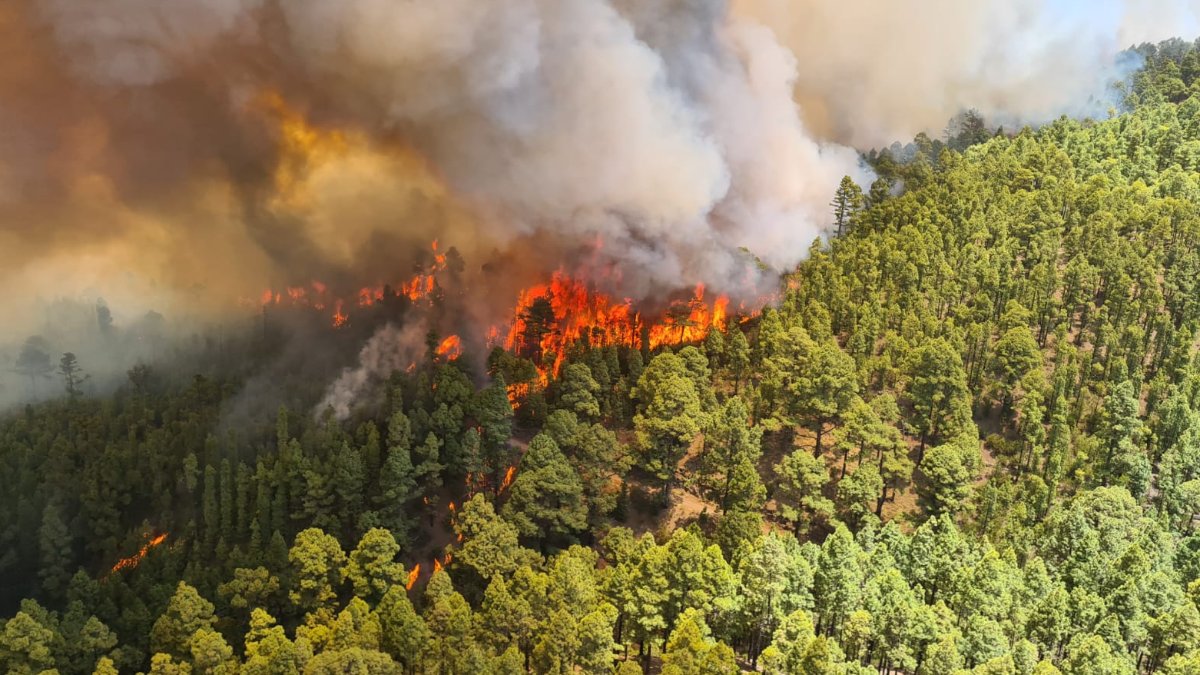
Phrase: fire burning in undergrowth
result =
(133, 560)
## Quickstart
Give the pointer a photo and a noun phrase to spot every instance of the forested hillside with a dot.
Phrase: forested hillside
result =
(965, 438)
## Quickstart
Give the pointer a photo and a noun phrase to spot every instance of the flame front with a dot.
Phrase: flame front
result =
(551, 317)
(413, 575)
(678, 328)
(421, 287)
(133, 560)
(547, 319)
(450, 348)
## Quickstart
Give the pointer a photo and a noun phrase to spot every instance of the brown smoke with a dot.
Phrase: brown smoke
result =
(185, 155)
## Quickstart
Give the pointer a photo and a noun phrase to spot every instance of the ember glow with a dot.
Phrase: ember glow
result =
(133, 560)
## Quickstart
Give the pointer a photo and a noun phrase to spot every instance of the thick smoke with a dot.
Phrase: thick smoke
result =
(672, 144)
(876, 72)
(181, 156)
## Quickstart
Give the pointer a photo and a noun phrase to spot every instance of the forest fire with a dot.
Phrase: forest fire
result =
(550, 317)
(421, 287)
(690, 322)
(413, 575)
(509, 474)
(517, 393)
(547, 319)
(133, 560)
(450, 348)
(339, 317)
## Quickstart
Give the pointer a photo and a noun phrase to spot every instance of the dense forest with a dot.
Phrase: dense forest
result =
(965, 438)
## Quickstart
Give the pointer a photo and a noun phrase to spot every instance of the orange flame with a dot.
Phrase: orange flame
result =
(420, 287)
(413, 575)
(450, 348)
(133, 560)
(339, 318)
(677, 328)
(549, 318)
(517, 393)
(508, 479)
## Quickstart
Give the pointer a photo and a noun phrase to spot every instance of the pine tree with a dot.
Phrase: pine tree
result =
(55, 543)
(318, 568)
(837, 583)
(847, 201)
(186, 613)
(546, 499)
(72, 375)
(397, 478)
(579, 390)
(403, 631)
(669, 417)
(372, 567)
(494, 414)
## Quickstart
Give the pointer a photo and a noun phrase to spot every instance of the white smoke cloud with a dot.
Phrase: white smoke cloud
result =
(390, 349)
(133, 162)
(668, 131)
(674, 131)
(873, 73)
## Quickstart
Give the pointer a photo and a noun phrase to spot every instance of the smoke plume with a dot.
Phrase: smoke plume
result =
(878, 72)
(185, 155)
(389, 350)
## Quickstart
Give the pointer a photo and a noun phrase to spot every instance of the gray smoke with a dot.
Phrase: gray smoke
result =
(389, 350)
(136, 159)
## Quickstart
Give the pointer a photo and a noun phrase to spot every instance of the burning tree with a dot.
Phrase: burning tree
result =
(550, 318)
(538, 322)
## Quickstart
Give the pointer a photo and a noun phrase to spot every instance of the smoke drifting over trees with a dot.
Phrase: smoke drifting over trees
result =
(187, 156)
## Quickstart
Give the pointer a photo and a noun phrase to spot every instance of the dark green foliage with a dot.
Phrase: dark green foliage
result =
(967, 436)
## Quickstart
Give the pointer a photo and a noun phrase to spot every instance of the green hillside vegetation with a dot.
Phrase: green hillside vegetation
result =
(965, 440)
